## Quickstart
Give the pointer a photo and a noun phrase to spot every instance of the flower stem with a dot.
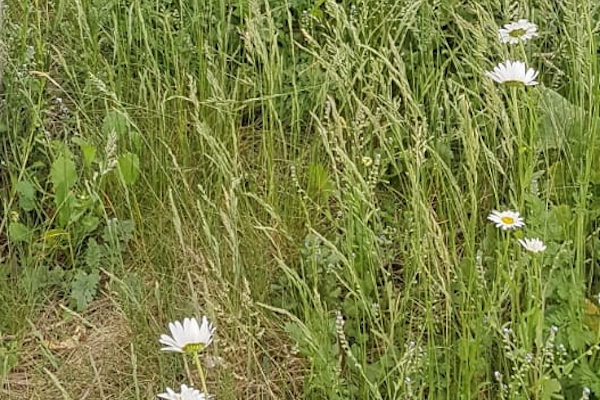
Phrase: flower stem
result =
(187, 371)
(200, 372)
(521, 149)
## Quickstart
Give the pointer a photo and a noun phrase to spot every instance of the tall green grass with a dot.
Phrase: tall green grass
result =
(315, 176)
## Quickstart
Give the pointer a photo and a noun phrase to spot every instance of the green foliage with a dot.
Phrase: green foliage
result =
(19, 232)
(129, 167)
(72, 216)
(26, 192)
(114, 122)
(83, 289)
(319, 186)
(551, 389)
(88, 151)
(63, 177)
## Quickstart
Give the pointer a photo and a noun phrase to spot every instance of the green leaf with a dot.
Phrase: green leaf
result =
(63, 176)
(90, 223)
(66, 206)
(557, 116)
(83, 289)
(26, 192)
(550, 389)
(18, 232)
(93, 255)
(118, 233)
(114, 121)
(129, 168)
(136, 140)
(588, 375)
(39, 277)
(87, 150)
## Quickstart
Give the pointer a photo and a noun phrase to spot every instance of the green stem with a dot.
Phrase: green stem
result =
(520, 150)
(201, 373)
(187, 371)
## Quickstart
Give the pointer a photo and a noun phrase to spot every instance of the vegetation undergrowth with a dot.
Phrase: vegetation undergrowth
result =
(316, 177)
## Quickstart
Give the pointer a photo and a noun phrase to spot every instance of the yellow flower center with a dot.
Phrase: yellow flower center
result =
(508, 220)
(193, 348)
(514, 83)
(517, 33)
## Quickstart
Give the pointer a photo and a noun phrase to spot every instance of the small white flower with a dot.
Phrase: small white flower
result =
(513, 73)
(189, 337)
(522, 30)
(506, 219)
(534, 245)
(586, 393)
(498, 376)
(186, 393)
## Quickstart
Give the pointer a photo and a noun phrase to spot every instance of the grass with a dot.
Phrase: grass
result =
(315, 177)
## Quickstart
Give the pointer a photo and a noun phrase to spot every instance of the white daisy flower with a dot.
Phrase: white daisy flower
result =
(522, 30)
(186, 393)
(534, 245)
(189, 337)
(513, 73)
(506, 219)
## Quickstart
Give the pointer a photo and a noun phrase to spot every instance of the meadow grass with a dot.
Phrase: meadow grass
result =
(315, 176)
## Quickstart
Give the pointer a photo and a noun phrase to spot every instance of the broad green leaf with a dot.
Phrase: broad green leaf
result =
(550, 389)
(89, 223)
(557, 116)
(136, 140)
(63, 175)
(129, 168)
(87, 150)
(18, 232)
(66, 204)
(26, 192)
(114, 122)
